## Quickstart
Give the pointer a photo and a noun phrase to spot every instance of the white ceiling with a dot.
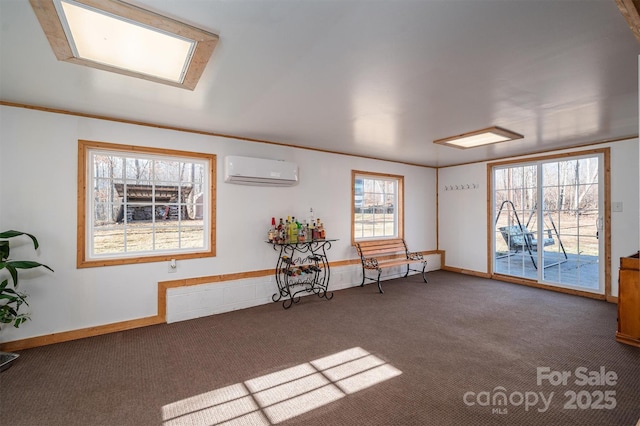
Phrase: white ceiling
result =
(376, 78)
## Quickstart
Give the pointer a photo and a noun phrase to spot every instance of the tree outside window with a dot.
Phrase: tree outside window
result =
(142, 204)
(377, 206)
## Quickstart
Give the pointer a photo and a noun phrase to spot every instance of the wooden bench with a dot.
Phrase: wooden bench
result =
(376, 255)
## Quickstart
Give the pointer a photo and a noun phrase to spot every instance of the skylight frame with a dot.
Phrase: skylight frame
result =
(499, 132)
(205, 42)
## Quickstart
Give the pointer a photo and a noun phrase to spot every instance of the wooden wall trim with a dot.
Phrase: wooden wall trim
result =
(161, 317)
(163, 286)
(466, 271)
(198, 132)
(438, 209)
(66, 336)
(247, 139)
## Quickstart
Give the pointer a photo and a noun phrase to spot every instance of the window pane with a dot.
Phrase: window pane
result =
(376, 206)
(144, 204)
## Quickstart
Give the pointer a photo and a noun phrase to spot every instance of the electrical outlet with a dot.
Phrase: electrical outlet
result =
(173, 266)
(616, 206)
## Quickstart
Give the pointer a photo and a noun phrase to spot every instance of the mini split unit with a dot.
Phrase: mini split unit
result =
(260, 171)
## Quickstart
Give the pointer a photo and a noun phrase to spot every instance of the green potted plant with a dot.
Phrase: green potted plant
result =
(11, 300)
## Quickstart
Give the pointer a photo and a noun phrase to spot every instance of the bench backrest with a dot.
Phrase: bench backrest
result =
(381, 247)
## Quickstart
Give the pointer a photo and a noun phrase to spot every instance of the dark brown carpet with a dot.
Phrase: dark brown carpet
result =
(408, 357)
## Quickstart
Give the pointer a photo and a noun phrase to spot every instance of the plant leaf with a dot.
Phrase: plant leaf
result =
(4, 249)
(11, 234)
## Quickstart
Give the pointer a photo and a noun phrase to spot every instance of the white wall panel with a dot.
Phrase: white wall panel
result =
(39, 170)
(463, 216)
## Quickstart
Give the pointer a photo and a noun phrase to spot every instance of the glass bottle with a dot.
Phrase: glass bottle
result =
(279, 230)
(312, 215)
(271, 234)
(293, 230)
(311, 233)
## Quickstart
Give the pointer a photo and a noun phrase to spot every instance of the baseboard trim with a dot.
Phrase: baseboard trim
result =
(82, 333)
(627, 340)
(160, 318)
(466, 271)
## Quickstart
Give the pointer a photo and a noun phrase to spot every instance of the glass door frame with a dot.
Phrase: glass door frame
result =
(605, 255)
(542, 186)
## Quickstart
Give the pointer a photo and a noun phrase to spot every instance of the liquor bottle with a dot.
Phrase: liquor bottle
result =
(321, 232)
(311, 233)
(293, 230)
(280, 233)
(284, 233)
(302, 234)
(271, 235)
(287, 226)
(317, 230)
(312, 215)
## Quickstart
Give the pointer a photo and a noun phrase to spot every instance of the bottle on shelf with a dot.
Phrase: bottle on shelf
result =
(282, 232)
(293, 230)
(311, 229)
(302, 234)
(272, 233)
(321, 232)
(312, 215)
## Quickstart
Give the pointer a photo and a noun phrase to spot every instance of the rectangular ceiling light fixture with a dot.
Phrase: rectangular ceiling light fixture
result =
(479, 138)
(115, 36)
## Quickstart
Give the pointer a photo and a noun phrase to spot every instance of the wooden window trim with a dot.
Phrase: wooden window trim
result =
(81, 256)
(400, 215)
(606, 152)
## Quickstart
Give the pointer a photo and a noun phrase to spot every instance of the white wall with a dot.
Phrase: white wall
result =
(462, 218)
(463, 213)
(38, 169)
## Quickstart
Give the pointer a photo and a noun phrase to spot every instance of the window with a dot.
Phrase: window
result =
(139, 204)
(377, 207)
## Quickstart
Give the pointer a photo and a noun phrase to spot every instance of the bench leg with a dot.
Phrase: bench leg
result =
(362, 283)
(424, 275)
(407, 274)
(379, 288)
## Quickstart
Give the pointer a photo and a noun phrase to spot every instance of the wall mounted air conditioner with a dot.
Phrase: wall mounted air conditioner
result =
(259, 171)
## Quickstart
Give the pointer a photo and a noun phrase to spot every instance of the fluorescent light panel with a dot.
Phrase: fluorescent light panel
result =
(111, 40)
(480, 137)
(115, 36)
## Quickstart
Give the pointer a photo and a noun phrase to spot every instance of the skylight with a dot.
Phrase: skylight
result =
(115, 36)
(479, 138)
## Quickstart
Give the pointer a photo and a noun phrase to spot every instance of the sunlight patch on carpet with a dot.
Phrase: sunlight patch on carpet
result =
(282, 395)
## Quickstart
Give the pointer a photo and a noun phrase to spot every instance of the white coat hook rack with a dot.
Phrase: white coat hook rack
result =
(461, 187)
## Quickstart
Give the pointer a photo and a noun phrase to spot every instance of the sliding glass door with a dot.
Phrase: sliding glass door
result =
(548, 222)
